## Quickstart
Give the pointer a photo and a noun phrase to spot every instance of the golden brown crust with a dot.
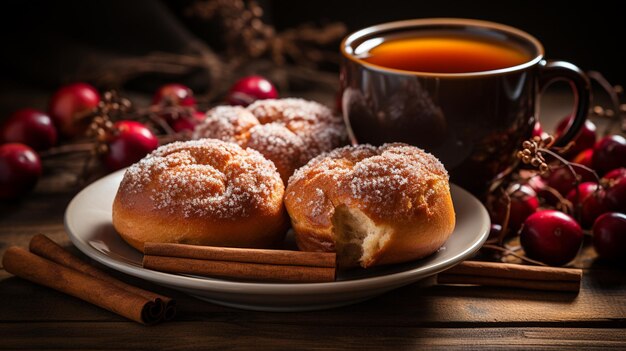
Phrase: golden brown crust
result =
(401, 189)
(205, 192)
(288, 132)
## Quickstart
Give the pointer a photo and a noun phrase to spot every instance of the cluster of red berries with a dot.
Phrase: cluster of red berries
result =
(74, 108)
(584, 191)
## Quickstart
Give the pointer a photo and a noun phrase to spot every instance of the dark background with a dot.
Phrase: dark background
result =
(587, 33)
(48, 43)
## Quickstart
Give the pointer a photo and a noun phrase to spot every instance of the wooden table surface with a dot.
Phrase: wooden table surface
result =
(419, 316)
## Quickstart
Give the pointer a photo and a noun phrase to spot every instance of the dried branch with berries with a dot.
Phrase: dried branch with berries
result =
(558, 194)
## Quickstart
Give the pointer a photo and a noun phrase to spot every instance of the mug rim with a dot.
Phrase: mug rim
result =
(350, 38)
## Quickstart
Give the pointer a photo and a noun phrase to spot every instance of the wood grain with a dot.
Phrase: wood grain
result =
(245, 336)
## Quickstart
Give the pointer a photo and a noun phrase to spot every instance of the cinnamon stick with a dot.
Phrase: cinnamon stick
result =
(512, 275)
(160, 306)
(515, 271)
(511, 283)
(39, 270)
(240, 270)
(275, 257)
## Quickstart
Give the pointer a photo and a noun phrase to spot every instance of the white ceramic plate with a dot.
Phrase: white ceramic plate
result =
(88, 223)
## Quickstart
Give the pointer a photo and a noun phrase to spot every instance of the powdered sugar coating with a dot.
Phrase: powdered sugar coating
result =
(289, 131)
(278, 144)
(318, 127)
(388, 182)
(291, 112)
(205, 177)
(228, 123)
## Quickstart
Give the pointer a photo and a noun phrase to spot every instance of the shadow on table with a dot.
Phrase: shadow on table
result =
(474, 291)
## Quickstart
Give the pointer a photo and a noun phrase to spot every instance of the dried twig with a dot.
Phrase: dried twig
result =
(247, 36)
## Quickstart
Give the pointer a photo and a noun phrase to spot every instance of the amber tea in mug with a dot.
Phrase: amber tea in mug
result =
(444, 53)
(463, 90)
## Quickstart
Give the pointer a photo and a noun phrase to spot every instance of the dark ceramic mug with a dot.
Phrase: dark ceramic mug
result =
(473, 122)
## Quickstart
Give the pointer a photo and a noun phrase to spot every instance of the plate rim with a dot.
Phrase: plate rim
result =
(227, 286)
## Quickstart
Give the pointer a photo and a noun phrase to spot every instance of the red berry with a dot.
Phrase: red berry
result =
(591, 200)
(616, 196)
(584, 158)
(70, 105)
(31, 127)
(609, 154)
(551, 237)
(616, 174)
(249, 89)
(585, 139)
(539, 185)
(538, 130)
(524, 202)
(182, 124)
(187, 123)
(20, 168)
(584, 190)
(199, 116)
(536, 183)
(563, 181)
(174, 95)
(616, 191)
(129, 143)
(609, 236)
(171, 95)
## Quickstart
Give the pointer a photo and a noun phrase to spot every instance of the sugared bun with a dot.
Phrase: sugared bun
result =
(372, 205)
(203, 192)
(288, 132)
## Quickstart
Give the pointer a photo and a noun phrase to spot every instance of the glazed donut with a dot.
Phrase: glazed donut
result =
(371, 205)
(202, 192)
(288, 132)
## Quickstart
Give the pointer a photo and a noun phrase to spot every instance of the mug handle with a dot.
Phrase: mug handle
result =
(551, 71)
